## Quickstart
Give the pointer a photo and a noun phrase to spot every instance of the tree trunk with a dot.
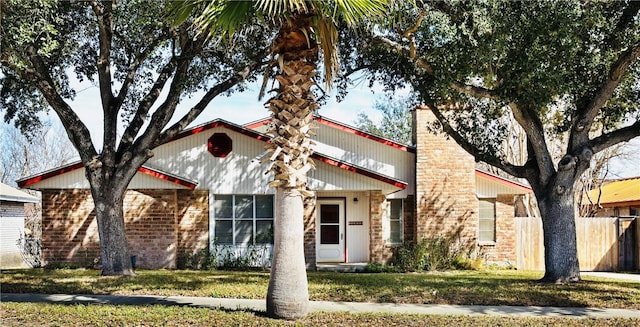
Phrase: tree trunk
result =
(558, 221)
(114, 253)
(288, 295)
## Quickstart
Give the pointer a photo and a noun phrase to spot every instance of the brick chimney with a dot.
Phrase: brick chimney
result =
(446, 202)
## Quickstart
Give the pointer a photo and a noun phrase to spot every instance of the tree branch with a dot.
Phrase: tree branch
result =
(584, 119)
(38, 75)
(134, 66)
(104, 19)
(607, 140)
(196, 110)
(514, 170)
(145, 105)
(475, 91)
(536, 142)
(165, 111)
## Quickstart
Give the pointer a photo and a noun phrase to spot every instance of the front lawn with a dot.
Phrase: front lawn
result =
(38, 314)
(490, 287)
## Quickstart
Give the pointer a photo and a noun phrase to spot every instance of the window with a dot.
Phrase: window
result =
(487, 223)
(394, 214)
(243, 219)
(634, 211)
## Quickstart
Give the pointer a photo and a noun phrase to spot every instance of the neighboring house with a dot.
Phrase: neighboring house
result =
(618, 198)
(207, 189)
(12, 217)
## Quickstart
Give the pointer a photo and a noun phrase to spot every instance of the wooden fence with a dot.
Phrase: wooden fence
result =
(598, 239)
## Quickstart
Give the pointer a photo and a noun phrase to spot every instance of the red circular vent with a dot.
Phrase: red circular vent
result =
(219, 145)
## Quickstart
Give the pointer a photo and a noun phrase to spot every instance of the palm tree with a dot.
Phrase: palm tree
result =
(303, 27)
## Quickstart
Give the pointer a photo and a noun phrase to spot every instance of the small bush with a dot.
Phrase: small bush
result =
(431, 254)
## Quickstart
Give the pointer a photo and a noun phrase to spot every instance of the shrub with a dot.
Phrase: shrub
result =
(431, 254)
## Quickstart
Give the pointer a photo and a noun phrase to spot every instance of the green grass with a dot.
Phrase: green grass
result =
(492, 287)
(30, 314)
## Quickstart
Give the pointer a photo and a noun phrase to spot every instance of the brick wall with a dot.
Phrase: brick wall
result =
(504, 250)
(193, 221)
(378, 250)
(445, 185)
(158, 223)
(310, 233)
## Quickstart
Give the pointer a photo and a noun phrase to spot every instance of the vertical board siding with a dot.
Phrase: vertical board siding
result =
(238, 173)
(597, 241)
(366, 153)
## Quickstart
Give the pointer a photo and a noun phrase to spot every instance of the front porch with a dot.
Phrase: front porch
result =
(342, 267)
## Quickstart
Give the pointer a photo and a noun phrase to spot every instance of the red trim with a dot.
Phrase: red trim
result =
(163, 176)
(344, 128)
(219, 123)
(246, 132)
(351, 130)
(76, 166)
(258, 123)
(503, 181)
(361, 171)
(49, 174)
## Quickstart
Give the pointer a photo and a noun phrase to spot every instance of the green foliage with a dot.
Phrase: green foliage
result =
(225, 257)
(435, 254)
(536, 54)
(65, 36)
(396, 123)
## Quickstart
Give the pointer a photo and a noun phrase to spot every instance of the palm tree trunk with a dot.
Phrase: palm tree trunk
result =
(292, 113)
(288, 295)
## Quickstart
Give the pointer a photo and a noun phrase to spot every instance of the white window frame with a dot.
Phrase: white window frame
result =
(234, 219)
(388, 220)
(492, 219)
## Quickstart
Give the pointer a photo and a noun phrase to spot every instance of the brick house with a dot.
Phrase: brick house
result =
(206, 189)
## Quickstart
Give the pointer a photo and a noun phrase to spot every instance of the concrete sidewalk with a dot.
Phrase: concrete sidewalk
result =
(324, 306)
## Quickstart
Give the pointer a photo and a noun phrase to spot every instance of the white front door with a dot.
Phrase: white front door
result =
(330, 236)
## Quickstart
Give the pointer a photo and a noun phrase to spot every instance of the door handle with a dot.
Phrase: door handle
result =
(341, 236)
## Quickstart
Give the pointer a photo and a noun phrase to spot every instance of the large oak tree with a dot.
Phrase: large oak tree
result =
(558, 67)
(132, 55)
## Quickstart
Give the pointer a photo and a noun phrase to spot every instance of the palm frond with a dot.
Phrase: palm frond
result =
(328, 38)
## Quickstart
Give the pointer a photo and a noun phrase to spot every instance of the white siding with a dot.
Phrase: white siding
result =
(488, 188)
(238, 173)
(10, 230)
(366, 153)
(329, 178)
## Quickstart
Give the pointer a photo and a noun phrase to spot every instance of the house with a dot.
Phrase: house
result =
(12, 227)
(618, 198)
(207, 189)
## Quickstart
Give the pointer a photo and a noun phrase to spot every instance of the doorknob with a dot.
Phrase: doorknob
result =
(341, 236)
